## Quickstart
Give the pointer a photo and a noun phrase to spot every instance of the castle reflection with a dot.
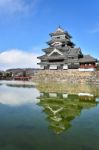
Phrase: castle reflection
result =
(61, 109)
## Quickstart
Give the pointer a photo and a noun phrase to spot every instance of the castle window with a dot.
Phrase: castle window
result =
(58, 37)
(63, 45)
(71, 57)
(56, 44)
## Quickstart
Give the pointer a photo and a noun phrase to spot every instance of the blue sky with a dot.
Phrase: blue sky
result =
(25, 26)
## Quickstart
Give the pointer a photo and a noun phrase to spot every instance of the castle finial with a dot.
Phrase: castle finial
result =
(60, 29)
(59, 26)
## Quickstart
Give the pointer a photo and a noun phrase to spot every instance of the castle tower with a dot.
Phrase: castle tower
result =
(62, 53)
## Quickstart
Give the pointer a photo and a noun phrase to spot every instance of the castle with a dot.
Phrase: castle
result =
(62, 54)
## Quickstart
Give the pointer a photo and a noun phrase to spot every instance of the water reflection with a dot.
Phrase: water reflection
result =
(31, 120)
(61, 109)
(13, 83)
(13, 95)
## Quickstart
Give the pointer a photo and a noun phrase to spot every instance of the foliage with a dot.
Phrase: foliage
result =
(97, 67)
(5, 75)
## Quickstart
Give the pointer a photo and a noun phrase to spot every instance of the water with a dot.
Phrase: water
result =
(34, 120)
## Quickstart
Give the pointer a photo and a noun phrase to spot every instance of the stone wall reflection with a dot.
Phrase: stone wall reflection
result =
(68, 88)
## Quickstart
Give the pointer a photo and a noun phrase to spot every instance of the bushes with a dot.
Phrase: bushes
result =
(97, 67)
(5, 75)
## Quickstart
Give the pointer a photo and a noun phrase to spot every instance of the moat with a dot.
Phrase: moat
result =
(48, 116)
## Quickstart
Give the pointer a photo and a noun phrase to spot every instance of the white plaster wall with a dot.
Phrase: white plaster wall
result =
(89, 69)
(53, 67)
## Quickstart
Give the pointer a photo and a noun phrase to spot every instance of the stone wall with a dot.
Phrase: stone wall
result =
(71, 76)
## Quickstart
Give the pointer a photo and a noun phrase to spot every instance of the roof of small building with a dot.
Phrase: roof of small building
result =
(87, 58)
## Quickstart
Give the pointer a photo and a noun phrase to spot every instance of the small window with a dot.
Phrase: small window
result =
(63, 45)
(58, 37)
(71, 57)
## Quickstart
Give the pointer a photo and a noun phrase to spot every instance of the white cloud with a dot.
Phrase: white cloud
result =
(15, 58)
(16, 96)
(17, 6)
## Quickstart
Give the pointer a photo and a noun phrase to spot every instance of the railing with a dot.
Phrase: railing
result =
(22, 78)
(87, 66)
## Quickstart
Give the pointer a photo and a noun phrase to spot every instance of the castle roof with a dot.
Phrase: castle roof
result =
(87, 58)
(60, 31)
(62, 50)
(66, 41)
(51, 57)
(71, 52)
(74, 52)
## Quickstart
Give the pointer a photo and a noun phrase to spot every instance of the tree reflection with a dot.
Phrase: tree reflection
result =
(61, 109)
(21, 85)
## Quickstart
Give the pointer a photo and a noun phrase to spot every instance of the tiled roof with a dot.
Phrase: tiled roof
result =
(87, 58)
(74, 51)
(60, 40)
(51, 57)
(42, 57)
(60, 31)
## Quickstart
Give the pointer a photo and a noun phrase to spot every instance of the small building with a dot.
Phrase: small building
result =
(62, 54)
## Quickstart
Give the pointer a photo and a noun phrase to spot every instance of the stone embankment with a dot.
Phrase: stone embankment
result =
(71, 76)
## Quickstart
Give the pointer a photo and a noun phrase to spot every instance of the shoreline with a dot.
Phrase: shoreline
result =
(13, 82)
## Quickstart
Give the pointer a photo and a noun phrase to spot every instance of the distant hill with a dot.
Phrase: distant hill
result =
(29, 71)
